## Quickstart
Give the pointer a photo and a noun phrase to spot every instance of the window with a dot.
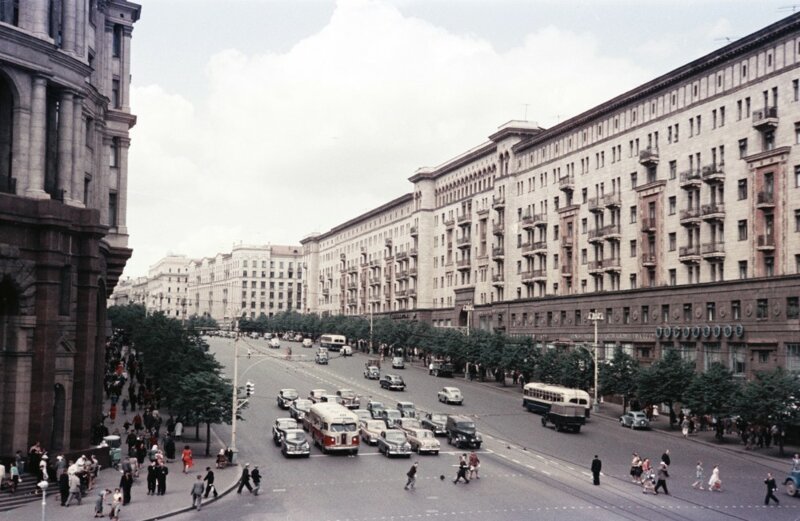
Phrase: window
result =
(742, 189)
(633, 280)
(672, 241)
(117, 41)
(645, 314)
(116, 102)
(673, 277)
(583, 256)
(762, 309)
(743, 230)
(665, 313)
(673, 169)
(742, 148)
(578, 320)
(687, 312)
(736, 310)
(796, 89)
(793, 357)
(626, 315)
(583, 225)
(792, 307)
(633, 214)
(112, 210)
(633, 180)
(633, 248)
(113, 157)
(711, 311)
(797, 220)
(722, 116)
(742, 269)
(672, 205)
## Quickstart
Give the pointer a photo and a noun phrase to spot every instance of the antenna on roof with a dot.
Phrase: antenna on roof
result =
(525, 112)
(787, 7)
(726, 39)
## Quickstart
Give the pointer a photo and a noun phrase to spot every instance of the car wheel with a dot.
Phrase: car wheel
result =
(544, 421)
(791, 487)
(622, 423)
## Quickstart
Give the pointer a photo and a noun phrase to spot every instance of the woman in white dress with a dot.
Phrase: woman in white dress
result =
(714, 483)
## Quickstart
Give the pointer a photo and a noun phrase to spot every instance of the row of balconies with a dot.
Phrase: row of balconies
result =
(612, 200)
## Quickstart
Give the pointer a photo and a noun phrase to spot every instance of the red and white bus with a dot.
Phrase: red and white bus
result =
(333, 427)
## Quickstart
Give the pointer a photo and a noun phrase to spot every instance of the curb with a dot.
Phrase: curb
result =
(190, 509)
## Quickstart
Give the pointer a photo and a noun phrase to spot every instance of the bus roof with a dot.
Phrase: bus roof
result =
(553, 388)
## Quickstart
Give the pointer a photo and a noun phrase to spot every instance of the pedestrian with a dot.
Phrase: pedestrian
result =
(665, 458)
(14, 476)
(597, 466)
(771, 488)
(152, 472)
(19, 459)
(412, 475)
(662, 476)
(685, 427)
(125, 406)
(256, 477)
(636, 468)
(98, 504)
(74, 489)
(209, 479)
(699, 476)
(796, 463)
(161, 479)
(116, 505)
(61, 466)
(186, 457)
(244, 481)
(474, 465)
(125, 483)
(197, 492)
(43, 475)
(63, 488)
(169, 448)
(112, 413)
(714, 483)
(462, 471)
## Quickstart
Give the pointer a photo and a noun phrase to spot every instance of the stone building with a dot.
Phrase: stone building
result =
(672, 209)
(64, 123)
(166, 288)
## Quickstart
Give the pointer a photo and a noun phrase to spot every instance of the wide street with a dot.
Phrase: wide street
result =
(527, 471)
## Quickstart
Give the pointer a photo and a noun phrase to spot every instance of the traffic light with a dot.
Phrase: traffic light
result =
(250, 388)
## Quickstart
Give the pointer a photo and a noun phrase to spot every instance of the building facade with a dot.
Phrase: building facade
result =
(64, 123)
(167, 282)
(673, 210)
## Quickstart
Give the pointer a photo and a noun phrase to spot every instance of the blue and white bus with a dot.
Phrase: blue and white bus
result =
(332, 342)
(538, 397)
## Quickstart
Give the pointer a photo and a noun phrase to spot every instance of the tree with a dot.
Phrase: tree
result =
(665, 381)
(713, 392)
(576, 369)
(770, 399)
(619, 376)
(548, 370)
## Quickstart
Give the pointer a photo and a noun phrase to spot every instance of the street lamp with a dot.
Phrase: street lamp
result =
(43, 484)
(595, 316)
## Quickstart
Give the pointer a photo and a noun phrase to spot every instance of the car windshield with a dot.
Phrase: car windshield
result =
(395, 437)
(290, 394)
(376, 405)
(375, 425)
(440, 418)
(424, 434)
(393, 414)
(411, 424)
(302, 405)
(347, 394)
(466, 426)
(343, 427)
(287, 424)
(295, 436)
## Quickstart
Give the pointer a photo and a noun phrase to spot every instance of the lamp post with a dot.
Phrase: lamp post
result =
(235, 398)
(595, 316)
(43, 484)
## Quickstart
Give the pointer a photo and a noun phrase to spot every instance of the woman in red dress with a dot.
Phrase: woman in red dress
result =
(186, 457)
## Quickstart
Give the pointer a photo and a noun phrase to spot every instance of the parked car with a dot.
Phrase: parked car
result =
(274, 343)
(294, 443)
(300, 408)
(398, 362)
(372, 372)
(307, 342)
(423, 441)
(451, 395)
(286, 397)
(371, 430)
(462, 433)
(634, 420)
(391, 417)
(408, 424)
(393, 442)
(392, 382)
(346, 351)
(280, 427)
(436, 422)
(298, 338)
(375, 408)
(349, 398)
(407, 409)
(440, 368)
(315, 395)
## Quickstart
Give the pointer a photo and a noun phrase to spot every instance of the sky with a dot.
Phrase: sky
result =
(264, 121)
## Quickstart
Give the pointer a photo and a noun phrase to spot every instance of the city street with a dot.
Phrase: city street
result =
(526, 470)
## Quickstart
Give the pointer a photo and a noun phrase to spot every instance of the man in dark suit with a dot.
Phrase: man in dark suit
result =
(597, 466)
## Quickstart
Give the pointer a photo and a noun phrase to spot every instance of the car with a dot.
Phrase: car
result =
(423, 441)
(398, 362)
(321, 357)
(407, 409)
(436, 422)
(300, 408)
(391, 417)
(440, 368)
(274, 343)
(408, 424)
(371, 430)
(393, 442)
(286, 397)
(792, 482)
(294, 443)
(375, 409)
(451, 395)
(461, 432)
(349, 398)
(634, 420)
(363, 414)
(315, 395)
(307, 342)
(372, 372)
(280, 427)
(298, 338)
(392, 382)
(346, 351)
(268, 335)
(331, 398)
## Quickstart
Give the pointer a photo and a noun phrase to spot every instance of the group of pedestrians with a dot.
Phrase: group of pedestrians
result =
(467, 469)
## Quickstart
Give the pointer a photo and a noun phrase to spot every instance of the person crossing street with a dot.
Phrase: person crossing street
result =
(244, 481)
(412, 475)
(771, 488)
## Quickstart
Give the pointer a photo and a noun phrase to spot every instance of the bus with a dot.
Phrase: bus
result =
(332, 342)
(539, 397)
(333, 427)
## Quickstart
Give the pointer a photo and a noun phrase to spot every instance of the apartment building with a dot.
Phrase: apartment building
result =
(167, 282)
(673, 210)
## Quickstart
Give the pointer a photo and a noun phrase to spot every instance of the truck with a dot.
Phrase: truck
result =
(440, 368)
(565, 417)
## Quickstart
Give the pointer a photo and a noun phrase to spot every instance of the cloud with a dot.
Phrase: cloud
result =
(289, 143)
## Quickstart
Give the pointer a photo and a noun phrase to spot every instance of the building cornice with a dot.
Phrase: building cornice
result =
(403, 199)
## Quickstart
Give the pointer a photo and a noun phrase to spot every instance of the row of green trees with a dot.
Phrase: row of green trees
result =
(176, 361)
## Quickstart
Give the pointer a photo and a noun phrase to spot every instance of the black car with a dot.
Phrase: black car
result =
(280, 427)
(393, 442)
(436, 422)
(286, 397)
(392, 382)
(461, 432)
(300, 408)
(294, 443)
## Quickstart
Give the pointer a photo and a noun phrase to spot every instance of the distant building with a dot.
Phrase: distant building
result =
(64, 123)
(167, 282)
(672, 209)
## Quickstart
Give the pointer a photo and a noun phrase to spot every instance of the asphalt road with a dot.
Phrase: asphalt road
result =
(527, 471)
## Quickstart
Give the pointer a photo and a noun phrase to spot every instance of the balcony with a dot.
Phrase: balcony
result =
(596, 235)
(497, 279)
(463, 264)
(649, 156)
(374, 281)
(689, 254)
(326, 291)
(352, 302)
(498, 201)
(498, 252)
(596, 204)
(412, 293)
(611, 232)
(499, 229)
(530, 221)
(401, 275)
(412, 252)
(464, 242)
(649, 260)
(612, 264)
(342, 256)
(596, 267)
(765, 119)
(400, 293)
(414, 231)
(714, 173)
(568, 241)
(449, 223)
(691, 179)
(387, 276)
(612, 200)
(766, 242)
(412, 272)
(567, 183)
(352, 269)
(401, 255)
(534, 248)
(374, 263)
(388, 243)
(352, 285)
(765, 200)
(713, 250)
(713, 212)
(566, 270)
(690, 217)
(387, 292)
(464, 219)
(649, 225)
(531, 276)
(389, 257)
(364, 264)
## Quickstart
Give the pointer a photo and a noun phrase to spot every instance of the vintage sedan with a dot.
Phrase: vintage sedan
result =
(280, 427)
(407, 409)
(294, 443)
(363, 414)
(422, 441)
(634, 420)
(375, 409)
(393, 442)
(391, 417)
(451, 395)
(307, 342)
(408, 424)
(436, 422)
(286, 397)
(392, 382)
(300, 408)
(371, 430)
(349, 398)
(316, 395)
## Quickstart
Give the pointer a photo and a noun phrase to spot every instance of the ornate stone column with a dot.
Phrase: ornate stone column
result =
(20, 145)
(65, 122)
(68, 30)
(78, 137)
(38, 126)
(122, 187)
(33, 17)
(125, 69)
